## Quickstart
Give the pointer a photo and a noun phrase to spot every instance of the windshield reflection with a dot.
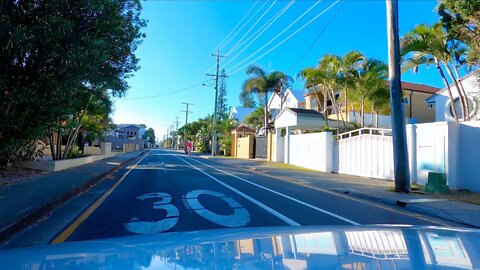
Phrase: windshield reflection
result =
(354, 248)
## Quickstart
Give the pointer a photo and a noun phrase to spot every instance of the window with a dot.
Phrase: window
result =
(406, 100)
(431, 106)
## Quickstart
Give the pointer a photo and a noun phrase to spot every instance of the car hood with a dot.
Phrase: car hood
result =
(329, 247)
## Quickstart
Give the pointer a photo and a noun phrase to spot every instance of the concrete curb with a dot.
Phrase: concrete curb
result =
(413, 207)
(30, 218)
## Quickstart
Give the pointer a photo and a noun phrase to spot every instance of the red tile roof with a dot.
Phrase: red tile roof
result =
(415, 87)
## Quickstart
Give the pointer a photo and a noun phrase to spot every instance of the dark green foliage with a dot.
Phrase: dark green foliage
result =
(461, 19)
(222, 94)
(56, 58)
(150, 134)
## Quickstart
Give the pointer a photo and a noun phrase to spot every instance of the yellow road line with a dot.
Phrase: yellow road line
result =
(72, 227)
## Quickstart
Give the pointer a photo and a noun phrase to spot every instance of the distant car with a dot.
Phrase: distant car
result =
(330, 247)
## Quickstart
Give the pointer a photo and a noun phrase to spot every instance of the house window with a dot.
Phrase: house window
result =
(431, 106)
(406, 100)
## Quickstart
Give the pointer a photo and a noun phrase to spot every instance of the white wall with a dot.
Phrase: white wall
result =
(384, 121)
(469, 156)
(313, 151)
(442, 108)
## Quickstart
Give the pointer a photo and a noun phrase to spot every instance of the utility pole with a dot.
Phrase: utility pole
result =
(176, 132)
(186, 118)
(400, 155)
(214, 137)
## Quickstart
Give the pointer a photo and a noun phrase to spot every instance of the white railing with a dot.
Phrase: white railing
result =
(365, 131)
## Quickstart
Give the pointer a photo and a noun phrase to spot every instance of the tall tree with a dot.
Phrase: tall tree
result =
(348, 68)
(264, 83)
(247, 100)
(429, 45)
(222, 95)
(56, 57)
(371, 77)
(149, 135)
(461, 19)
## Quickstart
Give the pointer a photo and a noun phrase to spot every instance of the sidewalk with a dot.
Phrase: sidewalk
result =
(371, 189)
(23, 202)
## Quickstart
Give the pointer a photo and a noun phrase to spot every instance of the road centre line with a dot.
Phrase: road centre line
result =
(252, 200)
(79, 220)
(283, 195)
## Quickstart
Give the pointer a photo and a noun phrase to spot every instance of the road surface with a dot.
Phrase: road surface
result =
(167, 191)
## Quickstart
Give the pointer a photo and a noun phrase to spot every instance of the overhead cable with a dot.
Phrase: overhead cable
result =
(319, 35)
(236, 26)
(243, 26)
(273, 39)
(258, 33)
(287, 38)
(255, 24)
(164, 94)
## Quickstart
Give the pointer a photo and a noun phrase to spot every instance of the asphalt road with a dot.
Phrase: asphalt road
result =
(166, 191)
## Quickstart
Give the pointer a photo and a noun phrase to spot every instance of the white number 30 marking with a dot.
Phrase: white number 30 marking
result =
(240, 217)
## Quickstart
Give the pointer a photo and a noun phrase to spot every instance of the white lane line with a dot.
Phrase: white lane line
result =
(259, 204)
(283, 195)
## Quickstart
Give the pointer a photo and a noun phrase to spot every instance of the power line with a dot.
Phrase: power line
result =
(236, 33)
(287, 38)
(256, 35)
(319, 35)
(256, 22)
(166, 94)
(236, 26)
(283, 31)
(243, 26)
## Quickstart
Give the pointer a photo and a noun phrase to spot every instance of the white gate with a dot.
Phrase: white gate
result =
(365, 152)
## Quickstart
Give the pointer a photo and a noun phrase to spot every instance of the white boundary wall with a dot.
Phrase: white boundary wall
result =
(446, 147)
(313, 151)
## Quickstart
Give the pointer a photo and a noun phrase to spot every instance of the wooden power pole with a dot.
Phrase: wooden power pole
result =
(400, 155)
(214, 133)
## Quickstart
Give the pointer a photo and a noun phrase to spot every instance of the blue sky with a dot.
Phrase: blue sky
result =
(182, 34)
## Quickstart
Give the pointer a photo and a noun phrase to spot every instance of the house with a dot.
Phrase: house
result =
(414, 95)
(441, 100)
(290, 99)
(240, 113)
(125, 134)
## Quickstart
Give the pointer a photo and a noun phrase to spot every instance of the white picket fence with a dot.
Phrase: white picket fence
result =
(365, 152)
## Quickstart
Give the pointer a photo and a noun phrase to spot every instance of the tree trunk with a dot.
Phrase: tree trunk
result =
(332, 97)
(376, 119)
(467, 107)
(354, 115)
(325, 111)
(371, 115)
(445, 81)
(266, 114)
(459, 91)
(362, 113)
(345, 91)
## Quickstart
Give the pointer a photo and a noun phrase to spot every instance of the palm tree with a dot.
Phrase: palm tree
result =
(264, 83)
(314, 82)
(370, 78)
(427, 45)
(348, 68)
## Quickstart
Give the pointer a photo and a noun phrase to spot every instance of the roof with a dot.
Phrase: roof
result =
(244, 129)
(300, 118)
(430, 99)
(298, 94)
(240, 113)
(415, 87)
(299, 111)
